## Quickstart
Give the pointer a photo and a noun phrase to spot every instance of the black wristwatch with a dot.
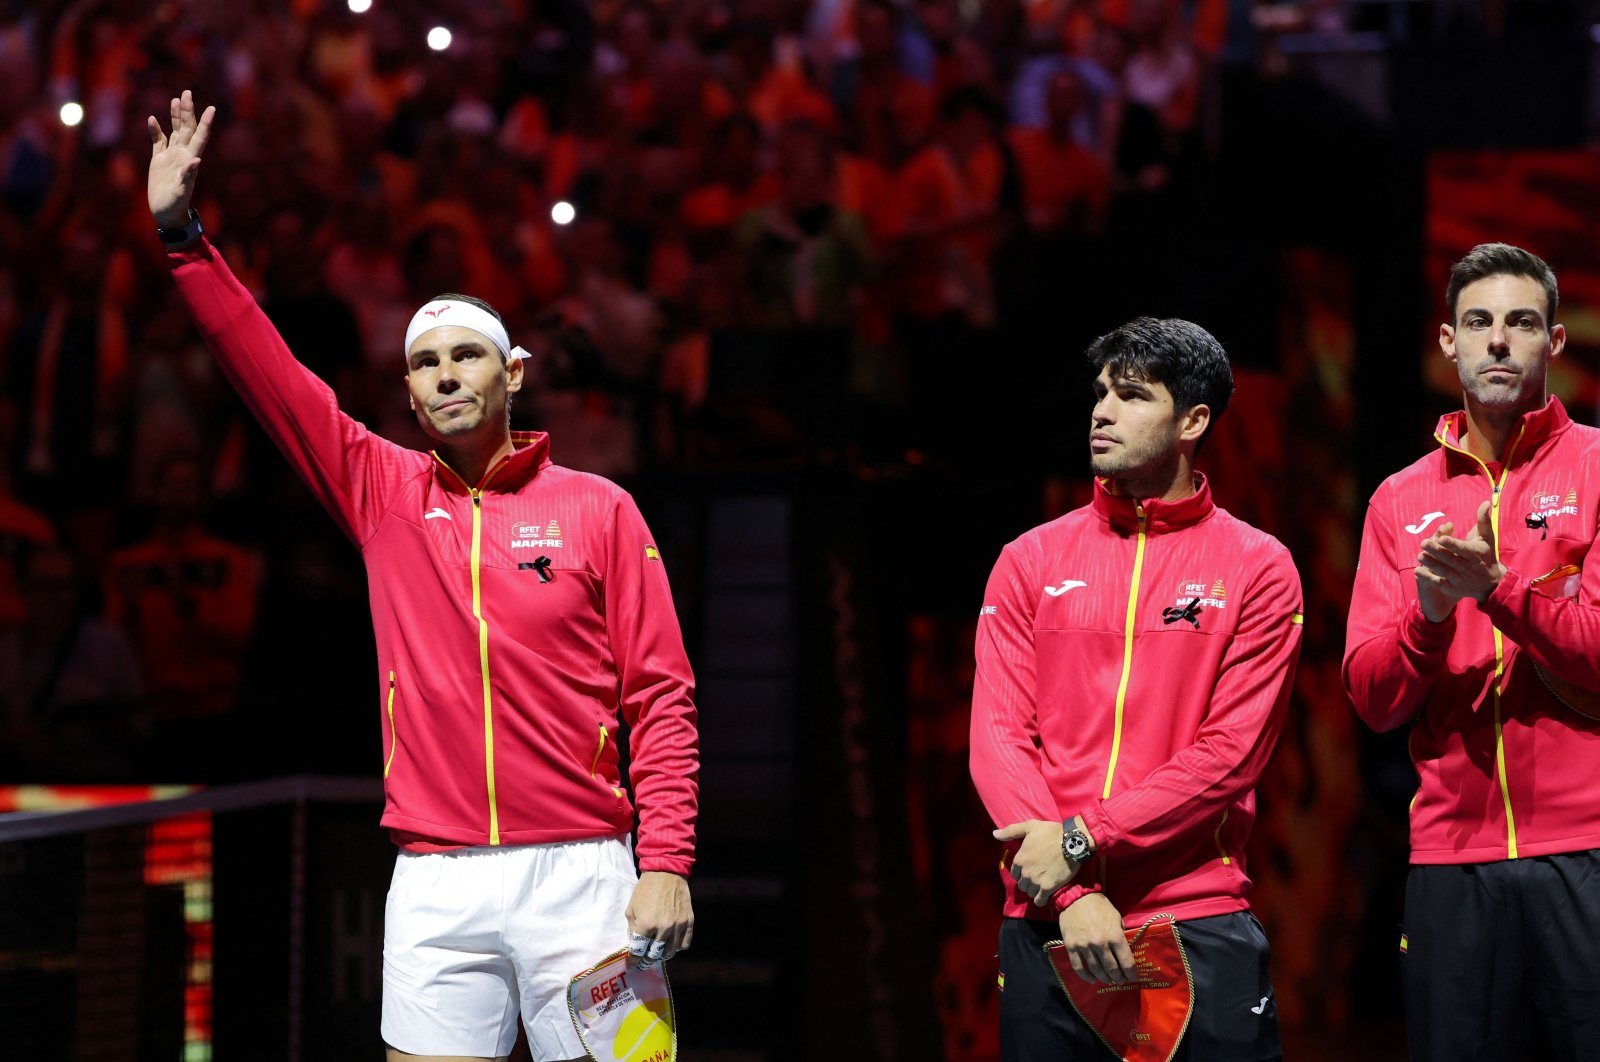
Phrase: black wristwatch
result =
(188, 234)
(1074, 843)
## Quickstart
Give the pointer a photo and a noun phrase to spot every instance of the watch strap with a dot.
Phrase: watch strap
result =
(190, 232)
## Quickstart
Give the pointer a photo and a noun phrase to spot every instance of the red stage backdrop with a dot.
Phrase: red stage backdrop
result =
(1545, 201)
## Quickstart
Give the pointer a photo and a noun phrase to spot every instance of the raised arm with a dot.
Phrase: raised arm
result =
(351, 471)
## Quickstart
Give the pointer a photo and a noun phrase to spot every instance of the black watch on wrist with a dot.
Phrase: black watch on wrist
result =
(188, 234)
(1074, 843)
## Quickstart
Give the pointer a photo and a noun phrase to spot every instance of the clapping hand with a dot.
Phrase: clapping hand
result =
(1450, 569)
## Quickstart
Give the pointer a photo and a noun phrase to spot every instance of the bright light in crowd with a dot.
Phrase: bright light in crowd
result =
(71, 113)
(438, 38)
(360, 7)
(562, 213)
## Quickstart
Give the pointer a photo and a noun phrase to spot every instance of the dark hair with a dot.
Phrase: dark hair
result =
(1181, 356)
(451, 296)
(1502, 260)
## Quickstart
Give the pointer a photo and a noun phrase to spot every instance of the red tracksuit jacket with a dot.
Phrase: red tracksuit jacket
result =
(1134, 663)
(499, 690)
(1505, 770)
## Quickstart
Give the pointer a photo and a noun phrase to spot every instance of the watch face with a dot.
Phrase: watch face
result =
(1077, 845)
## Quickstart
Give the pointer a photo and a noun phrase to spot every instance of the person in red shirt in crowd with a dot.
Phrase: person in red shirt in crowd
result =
(735, 181)
(520, 608)
(948, 197)
(1065, 189)
(188, 601)
(1134, 664)
(770, 81)
(891, 112)
(1485, 643)
(70, 695)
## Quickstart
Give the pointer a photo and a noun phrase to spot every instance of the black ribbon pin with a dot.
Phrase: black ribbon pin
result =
(540, 565)
(1190, 612)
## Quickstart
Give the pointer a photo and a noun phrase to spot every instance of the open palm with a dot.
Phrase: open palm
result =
(175, 160)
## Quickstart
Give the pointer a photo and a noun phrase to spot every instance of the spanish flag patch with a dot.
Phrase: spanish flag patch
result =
(651, 553)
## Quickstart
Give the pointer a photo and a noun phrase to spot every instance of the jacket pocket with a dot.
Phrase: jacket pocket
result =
(599, 751)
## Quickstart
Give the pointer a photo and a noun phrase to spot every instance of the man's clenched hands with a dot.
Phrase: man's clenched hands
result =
(1098, 949)
(175, 160)
(1038, 867)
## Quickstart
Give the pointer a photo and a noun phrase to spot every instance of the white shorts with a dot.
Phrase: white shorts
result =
(474, 936)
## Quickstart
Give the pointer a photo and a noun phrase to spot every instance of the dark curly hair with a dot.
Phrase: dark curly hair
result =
(1180, 355)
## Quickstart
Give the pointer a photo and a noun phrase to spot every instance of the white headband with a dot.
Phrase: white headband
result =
(451, 312)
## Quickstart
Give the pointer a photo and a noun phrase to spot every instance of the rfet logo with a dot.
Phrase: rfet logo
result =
(606, 989)
(1205, 595)
(535, 535)
(1554, 504)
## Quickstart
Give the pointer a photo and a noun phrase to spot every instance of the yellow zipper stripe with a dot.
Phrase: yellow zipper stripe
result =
(1127, 656)
(1500, 750)
(1227, 860)
(483, 635)
(483, 660)
(394, 739)
(1499, 639)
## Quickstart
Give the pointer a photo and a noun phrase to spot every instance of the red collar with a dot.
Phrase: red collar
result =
(1123, 513)
(1535, 427)
(530, 456)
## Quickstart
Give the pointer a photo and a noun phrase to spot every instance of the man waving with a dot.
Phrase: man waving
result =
(520, 609)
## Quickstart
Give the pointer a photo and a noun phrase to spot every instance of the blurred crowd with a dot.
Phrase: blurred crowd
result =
(699, 215)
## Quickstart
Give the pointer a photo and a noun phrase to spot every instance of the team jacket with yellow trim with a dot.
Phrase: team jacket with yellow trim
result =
(500, 682)
(1134, 662)
(1504, 769)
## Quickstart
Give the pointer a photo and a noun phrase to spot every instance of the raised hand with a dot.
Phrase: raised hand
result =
(175, 160)
(1437, 604)
(1457, 568)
